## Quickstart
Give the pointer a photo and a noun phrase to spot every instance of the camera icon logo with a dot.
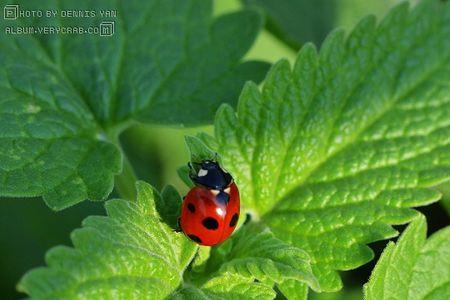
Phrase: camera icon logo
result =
(10, 11)
(107, 28)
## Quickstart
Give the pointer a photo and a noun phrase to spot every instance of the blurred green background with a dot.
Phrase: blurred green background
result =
(29, 228)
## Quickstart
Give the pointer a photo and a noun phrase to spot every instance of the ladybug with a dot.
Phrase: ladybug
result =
(210, 210)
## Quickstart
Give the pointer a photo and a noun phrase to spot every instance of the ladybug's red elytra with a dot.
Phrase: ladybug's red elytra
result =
(210, 210)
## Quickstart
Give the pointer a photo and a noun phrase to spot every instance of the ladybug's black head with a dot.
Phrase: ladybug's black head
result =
(209, 174)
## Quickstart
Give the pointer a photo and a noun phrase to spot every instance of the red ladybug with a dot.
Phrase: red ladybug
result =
(210, 210)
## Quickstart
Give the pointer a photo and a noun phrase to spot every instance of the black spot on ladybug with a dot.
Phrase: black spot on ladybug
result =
(191, 207)
(210, 223)
(223, 198)
(234, 220)
(195, 238)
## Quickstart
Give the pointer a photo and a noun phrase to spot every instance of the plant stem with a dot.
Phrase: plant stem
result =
(124, 183)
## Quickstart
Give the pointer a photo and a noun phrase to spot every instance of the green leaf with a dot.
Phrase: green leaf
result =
(131, 254)
(183, 173)
(165, 60)
(293, 289)
(445, 201)
(414, 267)
(198, 150)
(49, 143)
(299, 21)
(228, 286)
(64, 95)
(169, 206)
(354, 293)
(254, 252)
(199, 261)
(333, 151)
(127, 254)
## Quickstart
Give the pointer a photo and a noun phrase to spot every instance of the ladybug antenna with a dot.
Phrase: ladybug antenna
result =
(216, 156)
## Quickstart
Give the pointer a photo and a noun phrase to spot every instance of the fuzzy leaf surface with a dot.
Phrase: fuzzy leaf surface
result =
(333, 151)
(50, 145)
(133, 254)
(254, 252)
(227, 286)
(413, 268)
(63, 94)
(128, 254)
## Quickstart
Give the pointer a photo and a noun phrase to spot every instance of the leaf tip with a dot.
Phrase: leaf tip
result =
(198, 150)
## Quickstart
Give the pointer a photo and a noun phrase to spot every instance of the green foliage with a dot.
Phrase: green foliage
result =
(330, 153)
(445, 201)
(293, 290)
(183, 173)
(131, 253)
(344, 294)
(64, 96)
(255, 252)
(199, 151)
(414, 267)
(296, 22)
(169, 206)
(27, 230)
(229, 286)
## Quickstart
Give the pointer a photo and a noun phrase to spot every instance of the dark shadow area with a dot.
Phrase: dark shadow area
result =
(143, 154)
(298, 21)
(28, 228)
